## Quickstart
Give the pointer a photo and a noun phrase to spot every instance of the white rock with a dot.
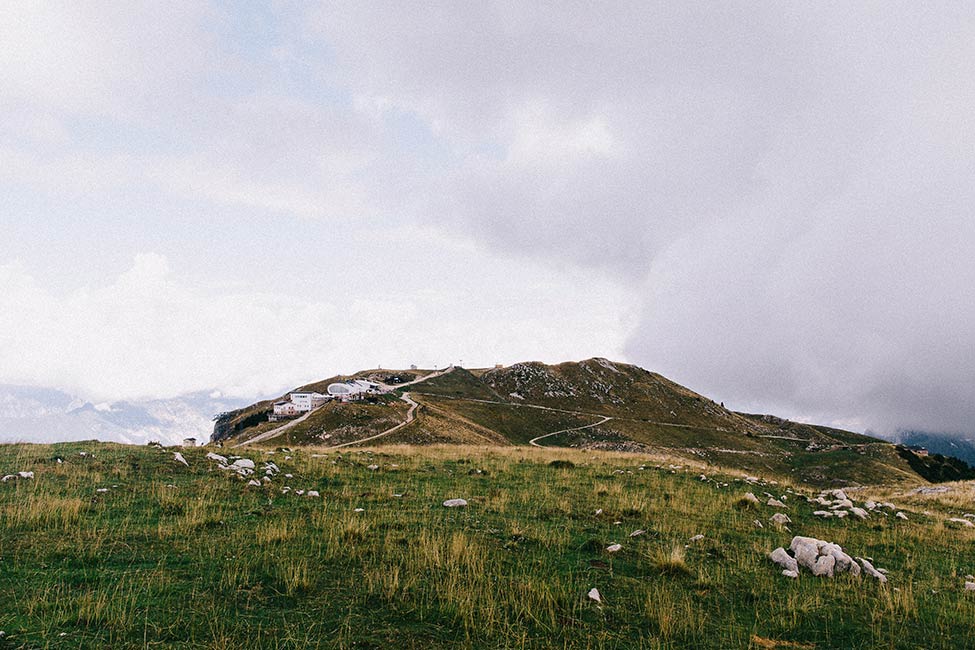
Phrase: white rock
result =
(969, 586)
(775, 503)
(217, 457)
(780, 518)
(8, 477)
(840, 513)
(243, 463)
(870, 571)
(454, 503)
(697, 538)
(859, 512)
(373, 467)
(312, 493)
(102, 490)
(805, 550)
(824, 566)
(637, 533)
(901, 515)
(757, 524)
(751, 498)
(594, 595)
(289, 475)
(870, 505)
(964, 522)
(822, 513)
(845, 504)
(784, 560)
(359, 510)
(613, 548)
(790, 574)
(598, 512)
(253, 482)
(299, 492)
(178, 457)
(25, 474)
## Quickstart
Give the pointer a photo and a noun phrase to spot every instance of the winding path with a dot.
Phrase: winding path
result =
(277, 431)
(534, 441)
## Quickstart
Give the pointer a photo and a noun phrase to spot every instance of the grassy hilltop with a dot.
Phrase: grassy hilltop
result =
(124, 547)
(601, 405)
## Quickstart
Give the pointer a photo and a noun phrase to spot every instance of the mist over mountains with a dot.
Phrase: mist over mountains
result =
(38, 414)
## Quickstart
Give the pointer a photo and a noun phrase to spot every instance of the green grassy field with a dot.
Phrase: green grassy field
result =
(193, 557)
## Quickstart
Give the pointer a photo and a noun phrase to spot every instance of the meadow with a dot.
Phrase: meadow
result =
(110, 546)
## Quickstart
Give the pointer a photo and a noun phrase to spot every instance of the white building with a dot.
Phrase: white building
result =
(305, 402)
(354, 387)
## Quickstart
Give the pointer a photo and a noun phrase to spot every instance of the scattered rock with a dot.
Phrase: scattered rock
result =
(178, 457)
(780, 518)
(901, 515)
(697, 538)
(614, 548)
(790, 574)
(969, 585)
(965, 523)
(775, 503)
(871, 571)
(822, 513)
(594, 595)
(454, 503)
(359, 510)
(312, 493)
(8, 477)
(757, 524)
(217, 457)
(781, 557)
(859, 512)
(372, 467)
(101, 490)
(598, 512)
(637, 533)
(253, 482)
(243, 463)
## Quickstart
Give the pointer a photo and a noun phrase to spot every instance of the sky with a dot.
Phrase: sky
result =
(769, 203)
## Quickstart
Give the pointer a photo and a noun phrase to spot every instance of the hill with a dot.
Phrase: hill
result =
(114, 546)
(593, 404)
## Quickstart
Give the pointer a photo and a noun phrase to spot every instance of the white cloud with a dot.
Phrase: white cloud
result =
(150, 333)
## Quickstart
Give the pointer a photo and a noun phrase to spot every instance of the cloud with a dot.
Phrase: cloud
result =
(152, 333)
(788, 188)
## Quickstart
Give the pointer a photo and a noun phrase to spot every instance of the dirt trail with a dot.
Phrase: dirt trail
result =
(534, 441)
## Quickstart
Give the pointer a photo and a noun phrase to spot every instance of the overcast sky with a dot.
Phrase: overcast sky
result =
(772, 206)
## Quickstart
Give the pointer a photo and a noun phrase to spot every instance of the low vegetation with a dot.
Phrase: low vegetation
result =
(110, 546)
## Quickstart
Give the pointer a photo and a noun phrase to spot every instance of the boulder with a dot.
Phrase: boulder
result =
(824, 566)
(775, 503)
(780, 518)
(243, 463)
(784, 560)
(859, 512)
(751, 498)
(178, 457)
(217, 457)
(790, 574)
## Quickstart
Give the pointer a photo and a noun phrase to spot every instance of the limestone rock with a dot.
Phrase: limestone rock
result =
(859, 512)
(780, 518)
(614, 548)
(775, 503)
(784, 560)
(594, 595)
(217, 457)
(901, 515)
(454, 503)
(178, 457)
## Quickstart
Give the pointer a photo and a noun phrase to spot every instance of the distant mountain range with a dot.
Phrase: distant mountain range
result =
(941, 443)
(31, 414)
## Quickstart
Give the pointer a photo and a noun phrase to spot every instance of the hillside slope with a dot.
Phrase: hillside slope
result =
(598, 404)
